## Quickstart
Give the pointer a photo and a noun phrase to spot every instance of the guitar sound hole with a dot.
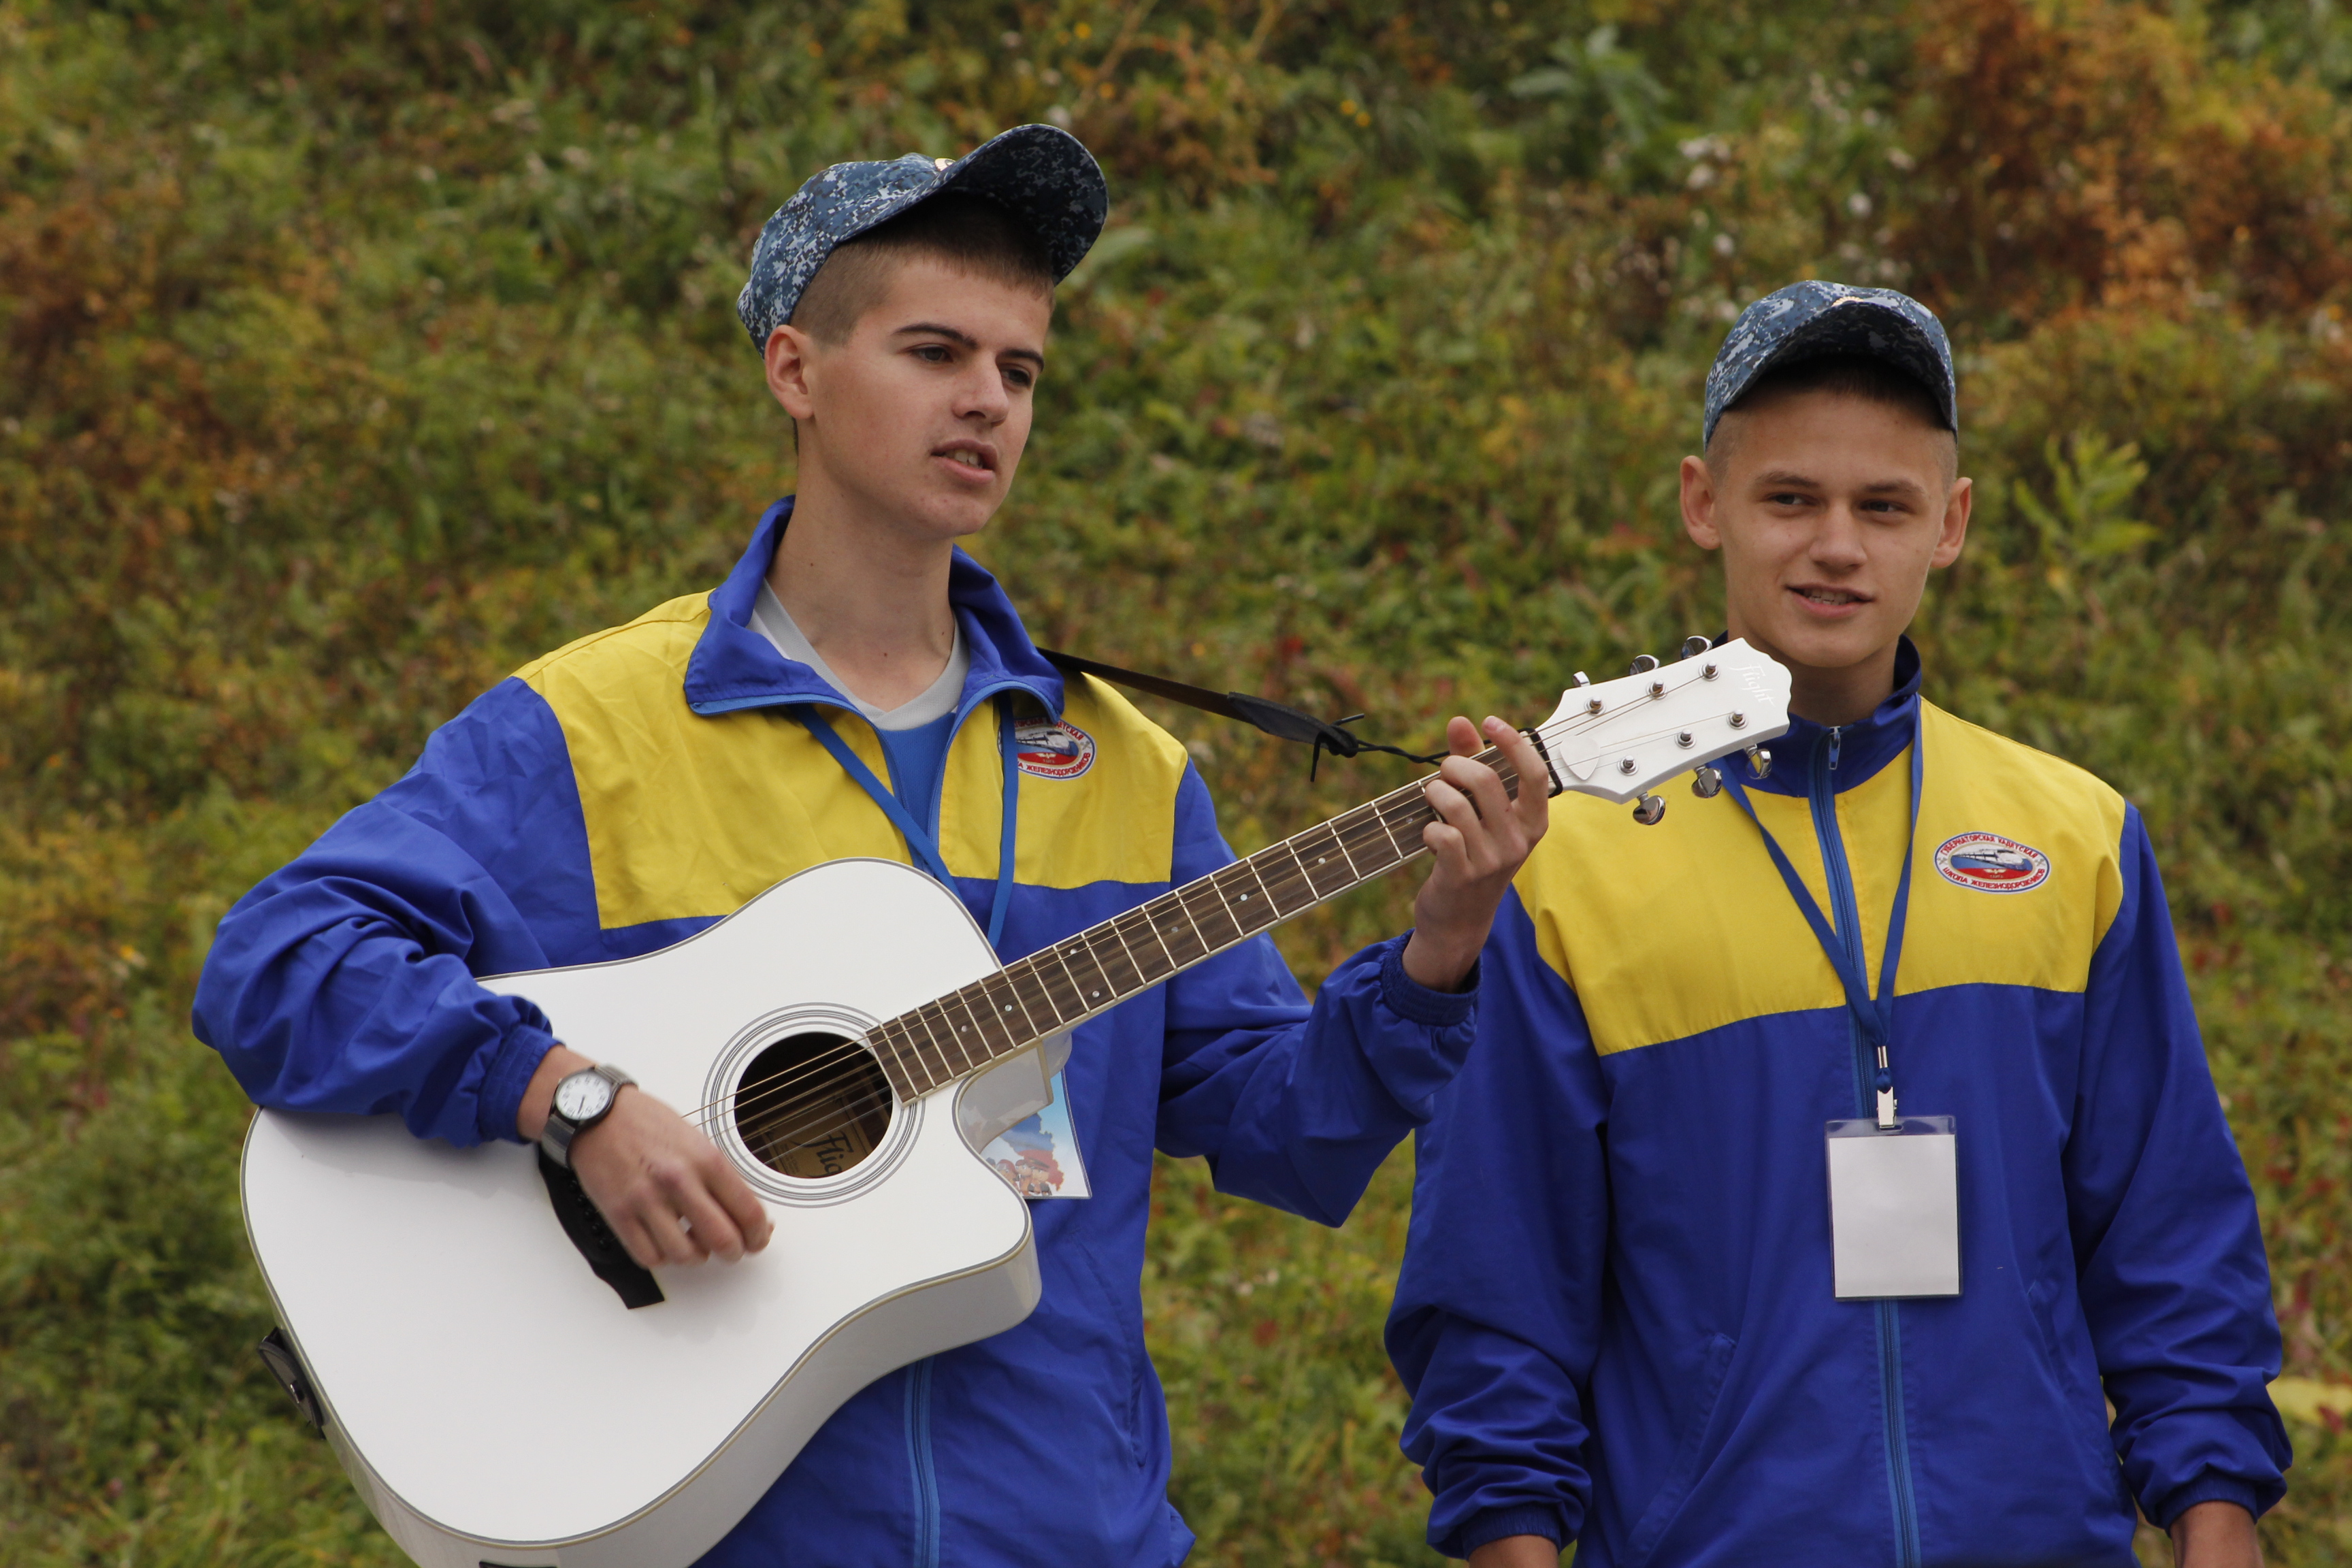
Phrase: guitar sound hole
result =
(813, 1106)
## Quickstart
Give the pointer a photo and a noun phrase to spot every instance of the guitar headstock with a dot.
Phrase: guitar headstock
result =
(1618, 738)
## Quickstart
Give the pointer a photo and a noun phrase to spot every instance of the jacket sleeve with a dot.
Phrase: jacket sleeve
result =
(1497, 1310)
(344, 982)
(2169, 1246)
(1294, 1106)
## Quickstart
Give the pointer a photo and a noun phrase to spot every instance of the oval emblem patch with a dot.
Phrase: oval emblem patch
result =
(1050, 748)
(1991, 864)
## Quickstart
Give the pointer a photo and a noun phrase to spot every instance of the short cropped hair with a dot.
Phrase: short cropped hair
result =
(971, 234)
(1843, 375)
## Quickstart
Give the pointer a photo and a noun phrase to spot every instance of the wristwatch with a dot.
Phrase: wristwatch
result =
(582, 1099)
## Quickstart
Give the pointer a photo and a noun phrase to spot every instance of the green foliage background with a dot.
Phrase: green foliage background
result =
(355, 353)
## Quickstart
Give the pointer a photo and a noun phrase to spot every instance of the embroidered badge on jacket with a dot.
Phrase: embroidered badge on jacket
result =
(1051, 748)
(1991, 863)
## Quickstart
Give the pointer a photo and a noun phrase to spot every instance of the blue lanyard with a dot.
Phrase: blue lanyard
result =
(1874, 1018)
(921, 843)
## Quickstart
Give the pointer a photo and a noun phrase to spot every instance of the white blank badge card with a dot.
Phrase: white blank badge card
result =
(1895, 1208)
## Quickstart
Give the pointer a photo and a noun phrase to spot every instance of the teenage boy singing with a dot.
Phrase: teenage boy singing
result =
(624, 792)
(1654, 1303)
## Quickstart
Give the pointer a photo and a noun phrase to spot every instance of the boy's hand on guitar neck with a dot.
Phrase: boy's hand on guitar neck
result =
(647, 1169)
(1480, 840)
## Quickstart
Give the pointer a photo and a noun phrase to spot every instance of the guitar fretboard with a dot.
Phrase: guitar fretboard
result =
(1079, 976)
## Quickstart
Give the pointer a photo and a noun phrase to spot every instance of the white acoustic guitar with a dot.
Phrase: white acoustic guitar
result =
(851, 1043)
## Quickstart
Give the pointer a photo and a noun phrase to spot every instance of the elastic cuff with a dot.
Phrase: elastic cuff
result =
(509, 1075)
(1499, 1523)
(1416, 1002)
(2210, 1488)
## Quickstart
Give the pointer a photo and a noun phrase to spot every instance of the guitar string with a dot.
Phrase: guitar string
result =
(761, 1098)
(830, 1121)
(759, 1094)
(1383, 809)
(708, 1115)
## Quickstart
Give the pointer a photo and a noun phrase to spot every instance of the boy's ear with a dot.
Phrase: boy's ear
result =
(1956, 507)
(788, 356)
(1698, 504)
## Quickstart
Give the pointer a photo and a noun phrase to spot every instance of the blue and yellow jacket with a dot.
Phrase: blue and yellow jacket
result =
(1616, 1313)
(628, 790)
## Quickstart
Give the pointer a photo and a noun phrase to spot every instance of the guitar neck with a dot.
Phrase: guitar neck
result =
(1012, 1009)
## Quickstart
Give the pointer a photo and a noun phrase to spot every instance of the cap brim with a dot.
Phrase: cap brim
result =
(1863, 329)
(1045, 176)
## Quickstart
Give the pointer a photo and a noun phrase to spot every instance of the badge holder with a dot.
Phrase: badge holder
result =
(1894, 1207)
(1895, 1189)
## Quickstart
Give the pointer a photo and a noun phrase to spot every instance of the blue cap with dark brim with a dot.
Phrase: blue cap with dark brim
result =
(1043, 176)
(1814, 319)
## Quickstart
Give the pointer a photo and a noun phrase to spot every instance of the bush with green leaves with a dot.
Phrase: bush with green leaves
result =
(355, 353)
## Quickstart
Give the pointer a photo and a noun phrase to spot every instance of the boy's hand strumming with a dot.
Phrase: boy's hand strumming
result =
(647, 1169)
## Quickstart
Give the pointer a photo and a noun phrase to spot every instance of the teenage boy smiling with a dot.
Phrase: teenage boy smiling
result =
(623, 793)
(1635, 1310)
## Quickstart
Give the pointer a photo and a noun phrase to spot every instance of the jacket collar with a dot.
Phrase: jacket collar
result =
(1864, 747)
(733, 666)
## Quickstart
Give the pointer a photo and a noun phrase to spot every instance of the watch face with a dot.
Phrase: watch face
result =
(582, 1096)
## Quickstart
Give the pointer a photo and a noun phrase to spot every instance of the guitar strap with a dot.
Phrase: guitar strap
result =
(1278, 719)
(1275, 719)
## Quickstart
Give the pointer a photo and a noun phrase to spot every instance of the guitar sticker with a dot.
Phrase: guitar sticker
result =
(1038, 1156)
(1051, 748)
(1991, 863)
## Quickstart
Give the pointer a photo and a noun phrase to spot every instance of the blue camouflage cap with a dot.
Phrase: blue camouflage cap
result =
(1043, 176)
(1814, 319)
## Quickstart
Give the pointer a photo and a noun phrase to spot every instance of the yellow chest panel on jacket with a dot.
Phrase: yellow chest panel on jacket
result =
(689, 817)
(1667, 932)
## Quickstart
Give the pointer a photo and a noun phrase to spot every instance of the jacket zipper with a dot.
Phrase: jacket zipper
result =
(919, 1460)
(922, 1469)
(918, 1376)
(1888, 1328)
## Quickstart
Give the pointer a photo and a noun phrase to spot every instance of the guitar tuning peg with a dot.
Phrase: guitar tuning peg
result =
(1583, 678)
(1644, 663)
(1759, 762)
(1695, 645)
(1650, 810)
(1707, 783)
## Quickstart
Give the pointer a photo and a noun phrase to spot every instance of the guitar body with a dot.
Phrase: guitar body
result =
(438, 1306)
